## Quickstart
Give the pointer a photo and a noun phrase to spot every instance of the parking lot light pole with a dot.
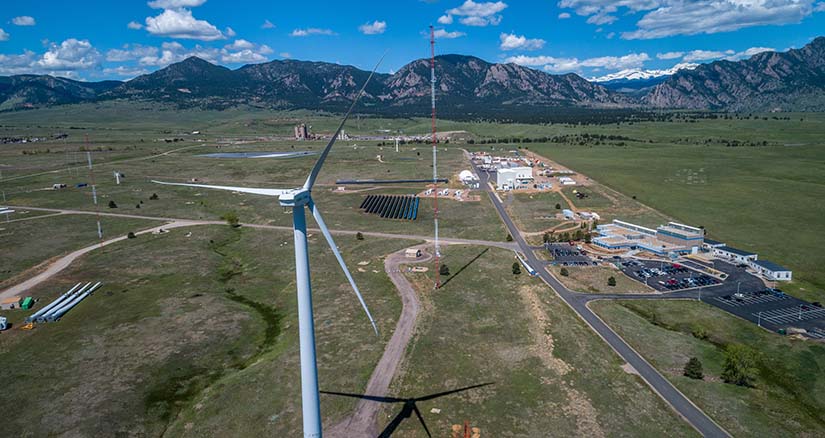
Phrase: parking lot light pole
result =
(738, 283)
(800, 312)
(759, 319)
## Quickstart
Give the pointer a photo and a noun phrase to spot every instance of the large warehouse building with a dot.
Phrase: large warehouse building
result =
(673, 238)
(509, 178)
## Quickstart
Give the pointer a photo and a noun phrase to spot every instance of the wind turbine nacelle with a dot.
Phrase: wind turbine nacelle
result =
(294, 198)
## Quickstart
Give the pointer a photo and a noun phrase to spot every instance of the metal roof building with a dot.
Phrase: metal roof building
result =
(772, 271)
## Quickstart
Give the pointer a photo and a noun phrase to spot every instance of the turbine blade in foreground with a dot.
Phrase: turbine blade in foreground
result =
(317, 215)
(317, 168)
(252, 190)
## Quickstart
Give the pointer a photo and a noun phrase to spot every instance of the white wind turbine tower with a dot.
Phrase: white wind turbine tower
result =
(299, 198)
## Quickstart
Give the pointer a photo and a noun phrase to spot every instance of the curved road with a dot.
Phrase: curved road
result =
(578, 302)
(363, 422)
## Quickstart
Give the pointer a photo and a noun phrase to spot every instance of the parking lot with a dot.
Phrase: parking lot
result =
(567, 255)
(665, 276)
(774, 310)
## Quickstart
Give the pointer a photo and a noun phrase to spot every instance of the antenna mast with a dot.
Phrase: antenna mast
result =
(435, 161)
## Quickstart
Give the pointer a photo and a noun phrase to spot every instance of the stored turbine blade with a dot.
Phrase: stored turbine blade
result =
(421, 419)
(317, 168)
(323, 226)
(253, 190)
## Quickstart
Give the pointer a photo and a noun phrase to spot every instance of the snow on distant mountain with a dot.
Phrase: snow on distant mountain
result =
(634, 74)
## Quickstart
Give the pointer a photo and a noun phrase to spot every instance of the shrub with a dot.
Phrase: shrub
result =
(509, 238)
(611, 281)
(359, 236)
(558, 206)
(231, 218)
(112, 204)
(154, 197)
(740, 365)
(564, 272)
(516, 268)
(444, 270)
(693, 369)
(131, 235)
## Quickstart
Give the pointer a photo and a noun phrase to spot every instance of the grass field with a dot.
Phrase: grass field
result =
(551, 374)
(593, 279)
(534, 212)
(788, 396)
(193, 335)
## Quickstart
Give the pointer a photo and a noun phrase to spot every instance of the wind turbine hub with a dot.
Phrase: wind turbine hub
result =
(295, 198)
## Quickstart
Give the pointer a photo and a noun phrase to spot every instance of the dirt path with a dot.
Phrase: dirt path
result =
(64, 262)
(363, 422)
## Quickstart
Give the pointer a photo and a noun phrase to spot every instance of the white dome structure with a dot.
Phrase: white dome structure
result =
(466, 176)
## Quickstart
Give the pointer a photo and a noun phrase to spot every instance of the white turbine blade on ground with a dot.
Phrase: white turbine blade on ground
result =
(325, 231)
(253, 190)
(317, 168)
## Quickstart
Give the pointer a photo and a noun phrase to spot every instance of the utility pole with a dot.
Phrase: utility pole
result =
(435, 160)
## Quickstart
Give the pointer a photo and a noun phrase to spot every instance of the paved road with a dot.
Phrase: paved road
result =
(363, 422)
(578, 302)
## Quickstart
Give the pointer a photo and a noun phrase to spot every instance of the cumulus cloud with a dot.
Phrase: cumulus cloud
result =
(443, 34)
(171, 52)
(70, 55)
(553, 64)
(179, 23)
(374, 28)
(705, 55)
(445, 19)
(239, 52)
(124, 71)
(515, 42)
(130, 53)
(239, 44)
(4, 36)
(478, 14)
(285, 55)
(175, 4)
(820, 7)
(134, 25)
(564, 16)
(662, 18)
(267, 25)
(17, 64)
(670, 55)
(23, 20)
(311, 31)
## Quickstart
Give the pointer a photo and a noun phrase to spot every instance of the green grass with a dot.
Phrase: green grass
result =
(482, 326)
(788, 397)
(31, 242)
(194, 334)
(534, 212)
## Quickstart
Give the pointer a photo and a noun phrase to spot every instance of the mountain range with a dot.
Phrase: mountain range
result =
(792, 80)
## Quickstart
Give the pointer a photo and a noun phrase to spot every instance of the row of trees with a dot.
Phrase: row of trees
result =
(739, 367)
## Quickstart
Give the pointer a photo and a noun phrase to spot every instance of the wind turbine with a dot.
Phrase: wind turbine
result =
(298, 199)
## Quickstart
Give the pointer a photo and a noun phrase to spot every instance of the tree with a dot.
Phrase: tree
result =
(516, 268)
(611, 281)
(131, 235)
(587, 238)
(359, 236)
(740, 365)
(558, 206)
(564, 272)
(112, 204)
(546, 237)
(693, 369)
(154, 197)
(509, 238)
(444, 270)
(231, 218)
(578, 235)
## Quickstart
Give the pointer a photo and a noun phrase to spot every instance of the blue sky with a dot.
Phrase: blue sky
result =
(104, 39)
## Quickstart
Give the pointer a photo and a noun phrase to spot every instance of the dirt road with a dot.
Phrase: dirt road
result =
(363, 422)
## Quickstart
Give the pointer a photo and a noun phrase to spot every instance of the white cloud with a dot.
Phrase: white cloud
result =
(243, 56)
(129, 53)
(445, 19)
(175, 4)
(174, 51)
(564, 16)
(374, 28)
(670, 55)
(124, 71)
(703, 55)
(552, 64)
(515, 42)
(443, 34)
(311, 31)
(4, 36)
(70, 55)
(749, 52)
(479, 14)
(610, 35)
(230, 33)
(285, 55)
(239, 44)
(819, 7)
(134, 25)
(17, 64)
(179, 23)
(664, 18)
(267, 25)
(23, 20)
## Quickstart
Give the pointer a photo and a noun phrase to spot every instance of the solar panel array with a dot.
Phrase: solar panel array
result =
(392, 206)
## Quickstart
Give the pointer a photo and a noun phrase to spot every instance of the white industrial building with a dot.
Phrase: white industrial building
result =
(509, 178)
(567, 181)
(771, 270)
(468, 179)
(733, 254)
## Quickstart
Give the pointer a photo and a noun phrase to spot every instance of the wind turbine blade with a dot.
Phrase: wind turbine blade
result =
(317, 168)
(323, 226)
(252, 190)
(421, 419)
